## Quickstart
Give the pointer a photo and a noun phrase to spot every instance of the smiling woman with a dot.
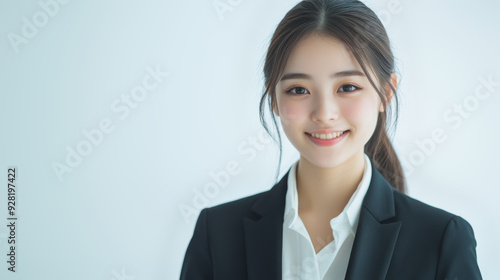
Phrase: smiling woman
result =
(335, 97)
(341, 211)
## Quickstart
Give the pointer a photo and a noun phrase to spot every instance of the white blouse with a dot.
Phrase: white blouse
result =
(299, 259)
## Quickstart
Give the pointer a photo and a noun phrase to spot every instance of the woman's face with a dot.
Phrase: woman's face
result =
(331, 93)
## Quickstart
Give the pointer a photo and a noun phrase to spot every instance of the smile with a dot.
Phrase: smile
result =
(327, 139)
(327, 136)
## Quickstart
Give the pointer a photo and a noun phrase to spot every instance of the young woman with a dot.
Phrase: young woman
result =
(340, 212)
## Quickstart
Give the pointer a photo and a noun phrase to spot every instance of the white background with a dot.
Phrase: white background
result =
(117, 214)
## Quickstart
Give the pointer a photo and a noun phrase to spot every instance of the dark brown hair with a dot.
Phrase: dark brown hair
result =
(359, 28)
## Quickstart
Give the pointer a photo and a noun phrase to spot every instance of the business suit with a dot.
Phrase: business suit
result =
(397, 237)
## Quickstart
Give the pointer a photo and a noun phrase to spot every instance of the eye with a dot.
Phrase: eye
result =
(348, 88)
(300, 91)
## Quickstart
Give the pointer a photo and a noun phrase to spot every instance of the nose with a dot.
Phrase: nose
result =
(326, 108)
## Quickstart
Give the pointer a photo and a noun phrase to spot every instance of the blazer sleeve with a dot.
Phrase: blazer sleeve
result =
(457, 257)
(197, 263)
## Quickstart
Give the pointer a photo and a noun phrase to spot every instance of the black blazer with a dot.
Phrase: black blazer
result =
(398, 237)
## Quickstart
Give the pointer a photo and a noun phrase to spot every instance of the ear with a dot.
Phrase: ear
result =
(394, 82)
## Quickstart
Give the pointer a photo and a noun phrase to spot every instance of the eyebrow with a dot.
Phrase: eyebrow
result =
(290, 76)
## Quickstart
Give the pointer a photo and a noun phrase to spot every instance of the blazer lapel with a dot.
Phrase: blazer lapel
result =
(373, 245)
(263, 234)
(376, 234)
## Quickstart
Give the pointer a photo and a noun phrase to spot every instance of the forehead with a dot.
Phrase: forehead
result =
(320, 55)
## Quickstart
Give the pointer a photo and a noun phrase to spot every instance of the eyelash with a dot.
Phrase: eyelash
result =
(355, 89)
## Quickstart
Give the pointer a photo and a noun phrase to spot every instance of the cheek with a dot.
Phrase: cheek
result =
(361, 111)
(291, 113)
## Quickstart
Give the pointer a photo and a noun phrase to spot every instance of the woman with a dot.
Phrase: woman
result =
(340, 212)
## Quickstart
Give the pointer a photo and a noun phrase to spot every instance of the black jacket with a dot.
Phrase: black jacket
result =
(398, 238)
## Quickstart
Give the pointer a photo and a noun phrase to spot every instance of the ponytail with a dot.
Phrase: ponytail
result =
(379, 149)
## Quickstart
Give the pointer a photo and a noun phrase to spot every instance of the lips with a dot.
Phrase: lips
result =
(327, 142)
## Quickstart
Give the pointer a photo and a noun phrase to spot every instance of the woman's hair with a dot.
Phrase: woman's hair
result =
(359, 28)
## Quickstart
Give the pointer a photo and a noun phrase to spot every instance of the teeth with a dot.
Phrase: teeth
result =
(327, 136)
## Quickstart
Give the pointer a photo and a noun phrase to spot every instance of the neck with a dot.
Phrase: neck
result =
(326, 191)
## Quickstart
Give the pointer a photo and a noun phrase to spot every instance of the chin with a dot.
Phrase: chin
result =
(326, 161)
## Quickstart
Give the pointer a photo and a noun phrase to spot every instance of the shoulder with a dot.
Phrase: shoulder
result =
(234, 210)
(240, 204)
(428, 219)
(433, 229)
(407, 206)
(219, 227)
